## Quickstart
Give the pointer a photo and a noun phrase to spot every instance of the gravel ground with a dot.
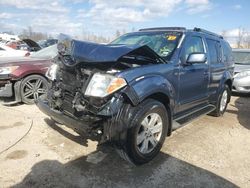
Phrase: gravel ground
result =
(209, 152)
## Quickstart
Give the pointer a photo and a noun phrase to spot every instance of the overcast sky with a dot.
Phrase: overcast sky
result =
(104, 17)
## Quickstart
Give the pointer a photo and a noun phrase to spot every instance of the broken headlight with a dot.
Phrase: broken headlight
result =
(51, 72)
(101, 85)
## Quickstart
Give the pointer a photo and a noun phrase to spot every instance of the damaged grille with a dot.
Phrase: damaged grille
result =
(69, 90)
(67, 105)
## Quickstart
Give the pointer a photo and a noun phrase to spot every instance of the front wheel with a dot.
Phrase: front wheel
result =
(32, 87)
(147, 132)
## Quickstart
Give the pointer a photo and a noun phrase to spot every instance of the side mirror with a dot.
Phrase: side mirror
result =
(196, 58)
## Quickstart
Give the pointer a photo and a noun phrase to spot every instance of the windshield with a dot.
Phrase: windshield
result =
(163, 43)
(242, 58)
(46, 53)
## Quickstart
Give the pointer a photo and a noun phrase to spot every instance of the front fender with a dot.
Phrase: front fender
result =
(145, 86)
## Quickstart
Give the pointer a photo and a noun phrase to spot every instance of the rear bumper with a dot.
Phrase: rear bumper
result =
(84, 125)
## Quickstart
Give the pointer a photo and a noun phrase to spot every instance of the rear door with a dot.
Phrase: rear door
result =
(193, 79)
(217, 66)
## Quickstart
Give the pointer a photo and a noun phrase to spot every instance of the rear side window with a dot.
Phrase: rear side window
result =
(214, 51)
(193, 44)
(227, 52)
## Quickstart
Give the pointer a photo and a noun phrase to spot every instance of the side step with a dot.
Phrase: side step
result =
(181, 121)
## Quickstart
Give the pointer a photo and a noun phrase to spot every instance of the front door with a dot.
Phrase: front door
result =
(193, 78)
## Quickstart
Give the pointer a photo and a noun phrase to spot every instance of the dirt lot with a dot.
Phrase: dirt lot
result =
(209, 152)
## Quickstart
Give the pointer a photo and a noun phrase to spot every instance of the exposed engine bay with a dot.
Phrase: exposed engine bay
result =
(75, 69)
(74, 73)
(67, 92)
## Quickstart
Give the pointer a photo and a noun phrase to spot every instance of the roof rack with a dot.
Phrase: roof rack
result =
(164, 29)
(207, 32)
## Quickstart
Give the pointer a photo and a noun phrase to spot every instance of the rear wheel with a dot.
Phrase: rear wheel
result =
(222, 102)
(148, 130)
(33, 87)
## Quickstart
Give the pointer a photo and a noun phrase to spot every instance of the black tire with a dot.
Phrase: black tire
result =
(130, 150)
(32, 87)
(218, 111)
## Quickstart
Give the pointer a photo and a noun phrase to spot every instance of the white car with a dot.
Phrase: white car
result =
(6, 51)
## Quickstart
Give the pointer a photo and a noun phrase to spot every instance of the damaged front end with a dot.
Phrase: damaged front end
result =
(86, 92)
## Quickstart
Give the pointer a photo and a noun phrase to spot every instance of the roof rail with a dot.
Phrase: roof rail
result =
(164, 29)
(207, 32)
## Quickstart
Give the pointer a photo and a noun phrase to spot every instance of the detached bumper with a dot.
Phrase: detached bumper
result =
(6, 90)
(60, 117)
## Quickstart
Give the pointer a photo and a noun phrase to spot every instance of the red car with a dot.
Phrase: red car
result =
(23, 79)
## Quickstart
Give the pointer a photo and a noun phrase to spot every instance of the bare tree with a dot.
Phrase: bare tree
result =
(88, 36)
(117, 33)
(247, 40)
(30, 34)
(30, 31)
(242, 34)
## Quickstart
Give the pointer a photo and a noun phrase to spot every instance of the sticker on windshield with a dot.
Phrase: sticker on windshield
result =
(171, 37)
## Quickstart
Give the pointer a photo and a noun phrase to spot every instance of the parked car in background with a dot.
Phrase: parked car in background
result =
(129, 92)
(6, 51)
(46, 43)
(23, 79)
(241, 82)
(25, 44)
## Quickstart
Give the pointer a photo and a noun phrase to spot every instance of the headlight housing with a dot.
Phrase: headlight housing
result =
(7, 70)
(102, 85)
(51, 72)
(242, 74)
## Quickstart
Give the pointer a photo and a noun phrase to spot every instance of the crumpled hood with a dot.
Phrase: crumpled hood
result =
(87, 52)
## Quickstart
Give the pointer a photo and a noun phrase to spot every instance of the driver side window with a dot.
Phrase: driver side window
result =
(193, 44)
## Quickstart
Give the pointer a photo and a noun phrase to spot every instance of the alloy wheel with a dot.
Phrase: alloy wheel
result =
(149, 133)
(34, 88)
(223, 101)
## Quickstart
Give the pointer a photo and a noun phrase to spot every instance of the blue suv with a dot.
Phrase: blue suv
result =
(135, 90)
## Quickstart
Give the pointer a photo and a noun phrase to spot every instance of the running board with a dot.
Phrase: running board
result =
(181, 121)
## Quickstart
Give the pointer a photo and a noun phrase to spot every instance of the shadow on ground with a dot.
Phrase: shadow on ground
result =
(164, 171)
(80, 138)
(112, 171)
(243, 105)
